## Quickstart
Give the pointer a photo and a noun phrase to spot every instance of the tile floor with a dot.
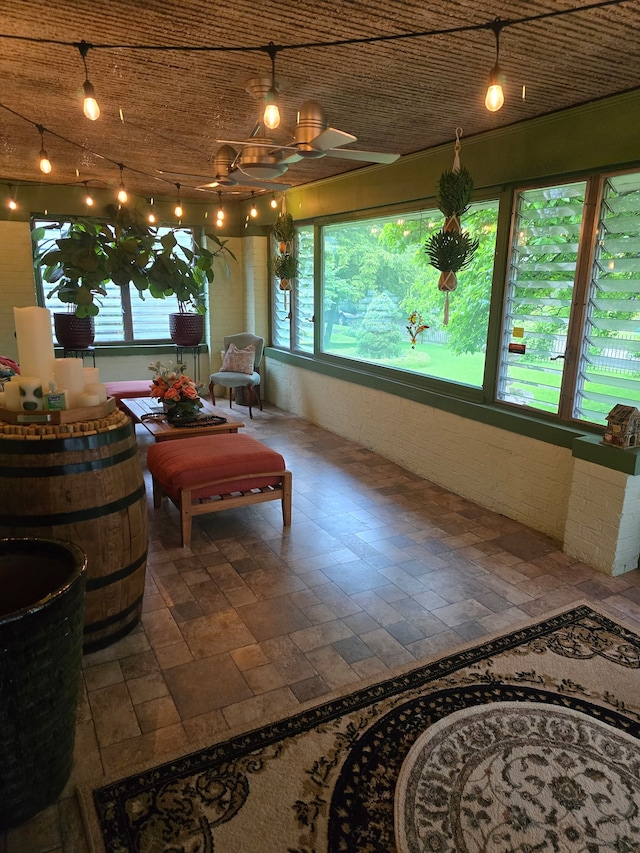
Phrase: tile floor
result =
(379, 569)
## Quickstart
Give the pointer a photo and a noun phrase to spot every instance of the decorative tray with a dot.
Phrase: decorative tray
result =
(65, 416)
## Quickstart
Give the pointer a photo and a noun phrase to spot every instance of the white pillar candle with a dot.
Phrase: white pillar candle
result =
(97, 388)
(85, 399)
(68, 373)
(91, 375)
(12, 394)
(35, 342)
(31, 393)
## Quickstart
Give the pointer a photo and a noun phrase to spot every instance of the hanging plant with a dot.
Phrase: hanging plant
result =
(455, 189)
(452, 249)
(284, 231)
(285, 267)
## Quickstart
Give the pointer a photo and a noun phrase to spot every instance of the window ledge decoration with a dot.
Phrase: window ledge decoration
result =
(452, 249)
(285, 263)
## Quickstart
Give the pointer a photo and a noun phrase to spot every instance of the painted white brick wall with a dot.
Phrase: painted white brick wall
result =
(517, 476)
(603, 519)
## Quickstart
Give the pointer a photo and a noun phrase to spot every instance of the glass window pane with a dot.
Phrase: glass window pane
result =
(609, 371)
(376, 274)
(304, 297)
(544, 252)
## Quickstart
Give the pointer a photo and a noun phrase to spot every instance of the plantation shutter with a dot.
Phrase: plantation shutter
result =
(542, 268)
(303, 305)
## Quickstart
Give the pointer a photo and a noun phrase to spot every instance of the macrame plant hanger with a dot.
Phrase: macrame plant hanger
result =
(451, 249)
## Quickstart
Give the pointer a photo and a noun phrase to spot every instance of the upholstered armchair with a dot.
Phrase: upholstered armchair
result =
(242, 357)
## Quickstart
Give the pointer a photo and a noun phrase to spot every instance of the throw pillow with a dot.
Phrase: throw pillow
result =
(238, 360)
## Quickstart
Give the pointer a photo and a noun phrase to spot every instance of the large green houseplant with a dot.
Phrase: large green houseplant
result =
(126, 250)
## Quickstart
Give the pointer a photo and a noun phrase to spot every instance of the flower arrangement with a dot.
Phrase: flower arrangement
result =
(179, 394)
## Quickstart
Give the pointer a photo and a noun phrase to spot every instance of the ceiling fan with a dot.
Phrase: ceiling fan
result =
(262, 157)
(227, 174)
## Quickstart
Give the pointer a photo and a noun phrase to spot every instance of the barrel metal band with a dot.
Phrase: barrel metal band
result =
(73, 517)
(104, 580)
(71, 468)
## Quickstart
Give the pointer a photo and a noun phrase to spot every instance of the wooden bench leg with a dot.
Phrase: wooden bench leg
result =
(157, 494)
(287, 488)
(212, 395)
(185, 517)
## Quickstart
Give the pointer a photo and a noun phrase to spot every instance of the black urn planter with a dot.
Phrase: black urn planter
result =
(41, 627)
(74, 332)
(186, 330)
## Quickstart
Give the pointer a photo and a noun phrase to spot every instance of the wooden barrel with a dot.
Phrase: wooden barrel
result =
(87, 488)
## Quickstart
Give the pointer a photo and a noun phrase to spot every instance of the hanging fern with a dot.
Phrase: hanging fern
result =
(285, 266)
(454, 192)
(449, 251)
(284, 230)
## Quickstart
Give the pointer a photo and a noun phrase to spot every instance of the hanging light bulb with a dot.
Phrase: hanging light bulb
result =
(13, 205)
(271, 117)
(254, 210)
(273, 202)
(90, 105)
(45, 163)
(220, 213)
(151, 217)
(122, 193)
(495, 96)
(178, 208)
(88, 198)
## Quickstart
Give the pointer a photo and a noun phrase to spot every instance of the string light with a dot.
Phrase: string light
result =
(88, 199)
(220, 211)
(254, 210)
(178, 208)
(273, 202)
(45, 163)
(90, 106)
(495, 96)
(122, 193)
(271, 117)
(12, 201)
(151, 217)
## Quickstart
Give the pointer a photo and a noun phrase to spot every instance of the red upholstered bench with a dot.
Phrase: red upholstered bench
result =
(128, 389)
(213, 472)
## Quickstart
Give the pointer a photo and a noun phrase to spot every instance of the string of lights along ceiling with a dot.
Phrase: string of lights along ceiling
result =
(271, 116)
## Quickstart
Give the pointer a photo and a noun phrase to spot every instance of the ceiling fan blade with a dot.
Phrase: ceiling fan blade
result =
(365, 156)
(331, 138)
(242, 180)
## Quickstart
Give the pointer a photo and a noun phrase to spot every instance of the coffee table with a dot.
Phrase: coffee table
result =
(162, 430)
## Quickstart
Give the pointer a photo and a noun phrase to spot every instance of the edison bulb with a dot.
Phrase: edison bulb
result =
(271, 116)
(495, 97)
(90, 105)
(122, 195)
(45, 163)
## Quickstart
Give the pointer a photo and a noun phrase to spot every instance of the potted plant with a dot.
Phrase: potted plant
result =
(76, 263)
(185, 272)
(89, 254)
(285, 267)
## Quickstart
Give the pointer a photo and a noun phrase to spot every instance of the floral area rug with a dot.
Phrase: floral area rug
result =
(528, 742)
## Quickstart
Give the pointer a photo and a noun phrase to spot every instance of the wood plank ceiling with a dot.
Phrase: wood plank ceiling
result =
(395, 95)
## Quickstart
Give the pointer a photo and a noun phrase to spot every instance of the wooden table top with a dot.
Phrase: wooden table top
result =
(162, 430)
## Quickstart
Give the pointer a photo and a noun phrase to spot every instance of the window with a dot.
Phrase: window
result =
(376, 274)
(571, 330)
(292, 311)
(125, 314)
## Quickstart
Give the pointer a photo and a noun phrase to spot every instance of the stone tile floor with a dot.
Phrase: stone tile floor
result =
(379, 569)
